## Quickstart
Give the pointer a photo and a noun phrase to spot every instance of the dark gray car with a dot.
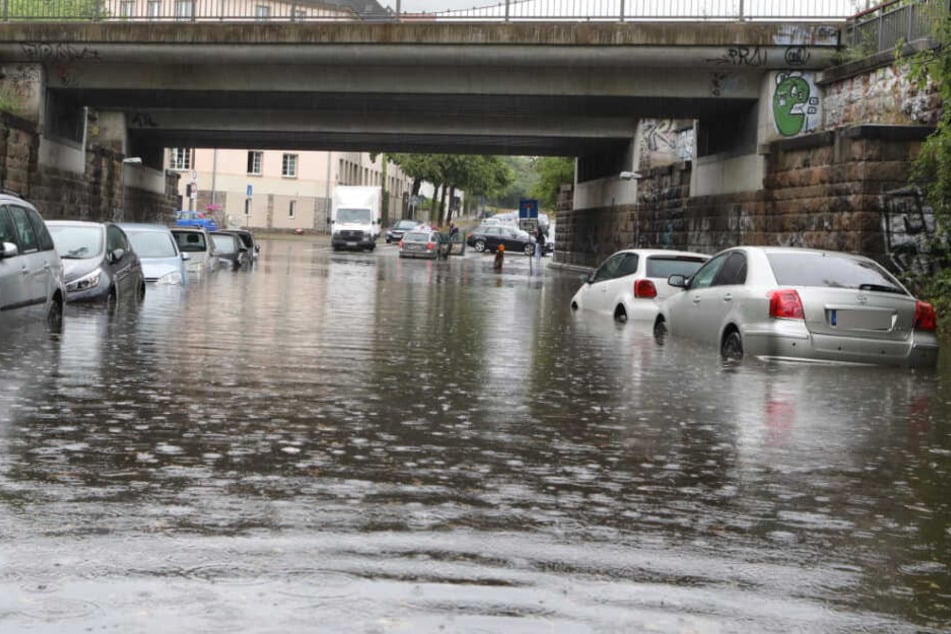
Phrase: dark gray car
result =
(99, 263)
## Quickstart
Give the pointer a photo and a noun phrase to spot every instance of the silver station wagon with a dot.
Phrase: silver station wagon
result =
(800, 304)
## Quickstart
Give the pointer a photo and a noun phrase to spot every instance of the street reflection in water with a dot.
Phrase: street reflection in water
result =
(359, 443)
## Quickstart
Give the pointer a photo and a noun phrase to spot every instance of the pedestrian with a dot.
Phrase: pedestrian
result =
(539, 242)
(499, 258)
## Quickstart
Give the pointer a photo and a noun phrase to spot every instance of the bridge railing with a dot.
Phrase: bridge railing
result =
(884, 27)
(501, 10)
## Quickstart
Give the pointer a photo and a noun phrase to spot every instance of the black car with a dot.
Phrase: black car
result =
(489, 237)
(395, 233)
(249, 242)
(231, 250)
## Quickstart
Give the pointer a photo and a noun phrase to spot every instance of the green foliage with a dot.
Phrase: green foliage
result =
(553, 172)
(932, 169)
(59, 10)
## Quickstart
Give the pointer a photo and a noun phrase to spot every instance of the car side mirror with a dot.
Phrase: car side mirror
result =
(677, 281)
(116, 255)
(9, 250)
(185, 256)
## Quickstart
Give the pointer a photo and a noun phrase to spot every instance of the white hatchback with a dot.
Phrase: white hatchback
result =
(31, 272)
(630, 283)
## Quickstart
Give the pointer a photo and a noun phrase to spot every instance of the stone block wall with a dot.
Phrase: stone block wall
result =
(95, 195)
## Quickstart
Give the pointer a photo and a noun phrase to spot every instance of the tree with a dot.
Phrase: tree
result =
(553, 172)
(932, 168)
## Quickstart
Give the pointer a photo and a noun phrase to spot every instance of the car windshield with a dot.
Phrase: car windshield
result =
(224, 242)
(190, 241)
(246, 238)
(405, 224)
(831, 270)
(153, 244)
(663, 266)
(73, 242)
(416, 236)
(358, 216)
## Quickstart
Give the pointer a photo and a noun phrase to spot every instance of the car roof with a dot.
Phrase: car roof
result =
(649, 252)
(144, 226)
(76, 223)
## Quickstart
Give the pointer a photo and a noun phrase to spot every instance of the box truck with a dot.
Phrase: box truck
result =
(355, 220)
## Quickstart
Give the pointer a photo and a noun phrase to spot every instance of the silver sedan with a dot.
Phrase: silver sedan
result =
(800, 304)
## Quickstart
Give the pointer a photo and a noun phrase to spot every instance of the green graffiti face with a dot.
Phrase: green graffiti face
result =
(789, 101)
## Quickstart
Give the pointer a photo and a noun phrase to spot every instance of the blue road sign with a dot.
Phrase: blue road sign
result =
(527, 208)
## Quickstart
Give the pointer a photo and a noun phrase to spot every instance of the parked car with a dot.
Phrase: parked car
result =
(422, 243)
(31, 272)
(231, 249)
(489, 237)
(187, 218)
(631, 283)
(249, 242)
(99, 263)
(801, 304)
(195, 241)
(162, 261)
(399, 228)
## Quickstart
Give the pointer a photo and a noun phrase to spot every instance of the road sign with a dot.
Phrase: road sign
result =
(528, 208)
(250, 190)
(528, 224)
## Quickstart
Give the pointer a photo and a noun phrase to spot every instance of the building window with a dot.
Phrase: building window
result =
(300, 14)
(289, 166)
(154, 9)
(184, 9)
(254, 162)
(180, 158)
(262, 12)
(127, 9)
(292, 209)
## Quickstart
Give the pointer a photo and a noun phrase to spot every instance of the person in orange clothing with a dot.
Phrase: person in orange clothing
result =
(499, 258)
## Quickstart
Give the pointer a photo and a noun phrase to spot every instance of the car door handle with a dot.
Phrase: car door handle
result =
(696, 299)
(728, 297)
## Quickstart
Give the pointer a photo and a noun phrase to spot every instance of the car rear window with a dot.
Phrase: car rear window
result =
(663, 266)
(831, 270)
(416, 237)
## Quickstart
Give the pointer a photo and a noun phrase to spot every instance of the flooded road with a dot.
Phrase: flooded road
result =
(359, 443)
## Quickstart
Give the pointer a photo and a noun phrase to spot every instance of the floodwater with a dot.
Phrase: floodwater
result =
(358, 443)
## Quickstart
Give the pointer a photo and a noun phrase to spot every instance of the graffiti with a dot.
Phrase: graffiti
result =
(741, 56)
(803, 35)
(716, 80)
(908, 226)
(58, 52)
(795, 103)
(797, 56)
(658, 134)
(24, 80)
(143, 120)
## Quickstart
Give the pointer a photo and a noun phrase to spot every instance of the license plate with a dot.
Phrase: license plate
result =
(862, 319)
(351, 243)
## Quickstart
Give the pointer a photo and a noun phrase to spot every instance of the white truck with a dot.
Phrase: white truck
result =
(355, 220)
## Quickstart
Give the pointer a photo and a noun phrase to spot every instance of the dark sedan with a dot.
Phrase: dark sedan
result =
(99, 264)
(231, 249)
(489, 237)
(396, 232)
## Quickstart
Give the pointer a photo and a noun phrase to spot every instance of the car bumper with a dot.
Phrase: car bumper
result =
(427, 255)
(364, 243)
(790, 340)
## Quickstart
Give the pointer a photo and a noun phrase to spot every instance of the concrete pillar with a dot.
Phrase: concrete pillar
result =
(22, 87)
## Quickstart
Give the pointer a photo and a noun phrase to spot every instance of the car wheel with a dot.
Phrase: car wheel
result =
(54, 318)
(660, 332)
(529, 249)
(140, 291)
(112, 299)
(479, 245)
(620, 315)
(732, 347)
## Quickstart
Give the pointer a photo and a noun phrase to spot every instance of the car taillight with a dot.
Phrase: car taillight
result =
(785, 304)
(430, 246)
(645, 289)
(401, 244)
(925, 318)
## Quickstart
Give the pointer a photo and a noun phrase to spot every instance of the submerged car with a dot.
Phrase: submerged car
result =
(800, 304)
(231, 249)
(162, 261)
(399, 229)
(199, 246)
(247, 238)
(489, 237)
(99, 263)
(422, 243)
(31, 272)
(630, 284)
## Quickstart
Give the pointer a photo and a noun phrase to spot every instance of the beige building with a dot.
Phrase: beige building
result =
(276, 189)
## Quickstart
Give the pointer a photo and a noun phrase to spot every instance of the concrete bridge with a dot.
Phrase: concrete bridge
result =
(573, 89)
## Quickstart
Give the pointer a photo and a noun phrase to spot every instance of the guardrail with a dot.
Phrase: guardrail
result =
(504, 11)
(886, 26)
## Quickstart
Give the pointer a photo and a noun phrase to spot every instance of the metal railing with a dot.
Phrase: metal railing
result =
(886, 26)
(500, 11)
